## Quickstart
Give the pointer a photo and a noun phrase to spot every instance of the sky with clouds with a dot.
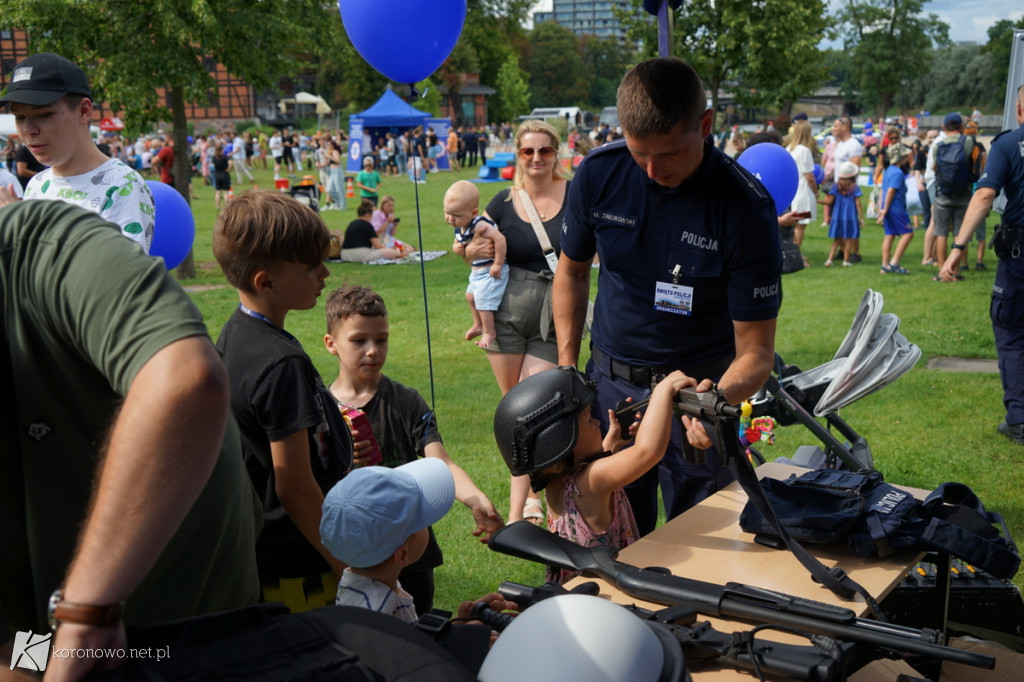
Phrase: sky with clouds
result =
(969, 20)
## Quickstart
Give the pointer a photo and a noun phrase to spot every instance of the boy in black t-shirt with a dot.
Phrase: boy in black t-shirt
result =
(295, 442)
(403, 425)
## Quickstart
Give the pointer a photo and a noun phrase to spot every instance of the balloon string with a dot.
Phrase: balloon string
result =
(423, 267)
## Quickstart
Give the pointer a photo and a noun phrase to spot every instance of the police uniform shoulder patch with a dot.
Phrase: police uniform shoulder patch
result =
(756, 189)
(998, 136)
(615, 145)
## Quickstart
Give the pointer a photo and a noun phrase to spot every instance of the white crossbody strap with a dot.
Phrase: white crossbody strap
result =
(538, 229)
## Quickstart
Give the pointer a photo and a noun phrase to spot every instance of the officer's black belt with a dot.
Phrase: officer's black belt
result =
(643, 375)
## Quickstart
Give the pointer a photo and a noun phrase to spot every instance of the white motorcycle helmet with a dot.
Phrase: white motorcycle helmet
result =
(579, 637)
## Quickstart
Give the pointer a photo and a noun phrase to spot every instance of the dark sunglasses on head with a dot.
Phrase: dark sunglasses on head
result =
(528, 152)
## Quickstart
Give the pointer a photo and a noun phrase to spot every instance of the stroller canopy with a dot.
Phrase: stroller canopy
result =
(873, 355)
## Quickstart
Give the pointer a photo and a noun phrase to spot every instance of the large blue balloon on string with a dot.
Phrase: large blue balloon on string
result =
(405, 41)
(775, 168)
(175, 227)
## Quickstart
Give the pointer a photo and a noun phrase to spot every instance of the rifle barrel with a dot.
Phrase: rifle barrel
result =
(735, 601)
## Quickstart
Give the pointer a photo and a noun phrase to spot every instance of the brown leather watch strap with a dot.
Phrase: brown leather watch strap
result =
(84, 614)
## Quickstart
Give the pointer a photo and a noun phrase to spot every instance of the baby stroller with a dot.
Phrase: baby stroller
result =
(307, 192)
(873, 355)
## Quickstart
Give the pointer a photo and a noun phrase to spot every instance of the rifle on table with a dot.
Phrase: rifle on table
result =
(721, 421)
(733, 600)
(825, 661)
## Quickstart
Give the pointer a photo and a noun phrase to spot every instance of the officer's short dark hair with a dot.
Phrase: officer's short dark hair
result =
(657, 95)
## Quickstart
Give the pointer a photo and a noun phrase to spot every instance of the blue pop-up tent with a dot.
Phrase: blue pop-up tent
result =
(390, 111)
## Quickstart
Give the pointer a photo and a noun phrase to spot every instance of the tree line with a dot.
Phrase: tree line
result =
(884, 54)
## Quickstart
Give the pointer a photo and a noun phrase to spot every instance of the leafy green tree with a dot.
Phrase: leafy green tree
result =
(513, 97)
(462, 60)
(494, 29)
(130, 49)
(707, 34)
(787, 63)
(1000, 43)
(837, 67)
(890, 43)
(958, 77)
(606, 60)
(346, 80)
(766, 50)
(557, 72)
(429, 97)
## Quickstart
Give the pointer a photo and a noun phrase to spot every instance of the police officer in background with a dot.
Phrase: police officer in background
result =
(1004, 171)
(689, 276)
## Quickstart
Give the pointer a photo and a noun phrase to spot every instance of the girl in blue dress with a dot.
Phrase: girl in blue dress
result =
(847, 213)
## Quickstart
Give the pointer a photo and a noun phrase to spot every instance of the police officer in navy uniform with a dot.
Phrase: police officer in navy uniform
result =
(690, 269)
(1004, 171)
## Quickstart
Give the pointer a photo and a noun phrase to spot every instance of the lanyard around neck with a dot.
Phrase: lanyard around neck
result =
(263, 318)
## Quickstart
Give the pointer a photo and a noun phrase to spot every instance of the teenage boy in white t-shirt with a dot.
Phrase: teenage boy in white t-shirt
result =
(52, 106)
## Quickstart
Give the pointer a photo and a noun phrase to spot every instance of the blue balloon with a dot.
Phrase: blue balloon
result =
(819, 174)
(775, 168)
(175, 227)
(404, 41)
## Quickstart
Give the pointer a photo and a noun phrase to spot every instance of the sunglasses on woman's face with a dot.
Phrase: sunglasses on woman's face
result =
(528, 152)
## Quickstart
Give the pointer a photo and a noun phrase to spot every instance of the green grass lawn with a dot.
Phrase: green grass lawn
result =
(926, 428)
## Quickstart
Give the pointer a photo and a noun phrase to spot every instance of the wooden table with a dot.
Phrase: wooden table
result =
(706, 543)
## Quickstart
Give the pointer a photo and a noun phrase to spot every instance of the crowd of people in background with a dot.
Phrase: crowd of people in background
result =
(165, 524)
(902, 202)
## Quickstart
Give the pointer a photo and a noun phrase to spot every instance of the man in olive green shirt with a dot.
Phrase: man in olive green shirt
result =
(121, 476)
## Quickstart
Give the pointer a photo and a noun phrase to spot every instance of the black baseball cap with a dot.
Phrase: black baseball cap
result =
(43, 79)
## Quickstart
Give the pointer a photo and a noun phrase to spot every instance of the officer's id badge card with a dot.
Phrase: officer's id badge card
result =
(673, 298)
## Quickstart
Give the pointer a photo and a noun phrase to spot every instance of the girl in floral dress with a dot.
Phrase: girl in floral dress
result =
(584, 489)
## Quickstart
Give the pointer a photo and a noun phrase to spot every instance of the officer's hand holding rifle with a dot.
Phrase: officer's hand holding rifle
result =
(701, 402)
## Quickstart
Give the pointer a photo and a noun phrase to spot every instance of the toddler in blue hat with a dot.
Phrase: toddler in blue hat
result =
(375, 520)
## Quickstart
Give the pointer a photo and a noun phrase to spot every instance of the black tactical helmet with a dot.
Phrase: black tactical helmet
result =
(535, 424)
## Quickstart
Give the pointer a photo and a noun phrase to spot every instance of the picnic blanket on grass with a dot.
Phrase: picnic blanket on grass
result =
(414, 257)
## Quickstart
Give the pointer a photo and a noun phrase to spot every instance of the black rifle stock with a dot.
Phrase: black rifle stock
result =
(733, 600)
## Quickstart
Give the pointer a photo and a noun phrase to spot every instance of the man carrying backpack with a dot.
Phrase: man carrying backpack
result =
(952, 185)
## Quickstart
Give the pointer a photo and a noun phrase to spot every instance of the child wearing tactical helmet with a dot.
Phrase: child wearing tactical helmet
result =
(544, 427)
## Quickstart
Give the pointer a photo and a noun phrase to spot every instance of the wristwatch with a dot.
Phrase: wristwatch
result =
(60, 611)
(958, 246)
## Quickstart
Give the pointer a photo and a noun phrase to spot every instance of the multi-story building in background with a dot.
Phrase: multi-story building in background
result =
(586, 17)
